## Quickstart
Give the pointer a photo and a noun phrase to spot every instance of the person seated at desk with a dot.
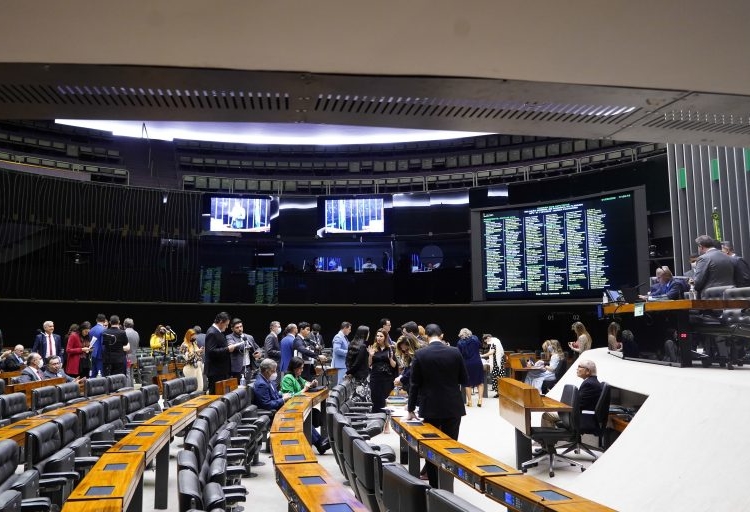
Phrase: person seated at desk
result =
(670, 287)
(368, 265)
(588, 392)
(629, 346)
(12, 360)
(538, 374)
(54, 370)
(265, 396)
(583, 340)
(656, 288)
(33, 370)
(293, 383)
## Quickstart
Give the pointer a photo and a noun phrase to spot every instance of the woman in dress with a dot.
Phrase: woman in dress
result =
(193, 355)
(76, 348)
(383, 368)
(493, 353)
(469, 346)
(357, 367)
(583, 338)
(538, 376)
(613, 335)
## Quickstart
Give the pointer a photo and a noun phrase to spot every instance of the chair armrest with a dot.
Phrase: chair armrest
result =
(68, 475)
(36, 504)
(239, 490)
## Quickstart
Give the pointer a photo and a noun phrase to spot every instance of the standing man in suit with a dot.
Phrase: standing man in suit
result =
(95, 343)
(47, 342)
(713, 268)
(340, 347)
(437, 373)
(271, 345)
(218, 363)
(115, 345)
(33, 370)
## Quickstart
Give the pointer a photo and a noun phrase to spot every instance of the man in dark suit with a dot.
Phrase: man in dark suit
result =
(54, 370)
(437, 373)
(115, 345)
(218, 363)
(33, 370)
(47, 343)
(588, 392)
(713, 268)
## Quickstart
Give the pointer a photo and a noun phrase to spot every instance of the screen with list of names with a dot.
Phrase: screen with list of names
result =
(562, 250)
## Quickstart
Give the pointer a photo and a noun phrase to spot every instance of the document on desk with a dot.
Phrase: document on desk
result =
(639, 308)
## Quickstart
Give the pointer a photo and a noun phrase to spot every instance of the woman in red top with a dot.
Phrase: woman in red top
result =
(75, 349)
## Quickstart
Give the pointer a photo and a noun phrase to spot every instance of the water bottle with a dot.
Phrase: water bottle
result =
(692, 294)
(99, 374)
(243, 382)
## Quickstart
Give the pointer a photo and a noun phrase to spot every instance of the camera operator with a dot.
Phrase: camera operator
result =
(160, 339)
(246, 359)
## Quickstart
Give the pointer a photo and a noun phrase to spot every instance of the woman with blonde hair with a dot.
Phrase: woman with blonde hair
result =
(583, 338)
(537, 377)
(613, 333)
(193, 357)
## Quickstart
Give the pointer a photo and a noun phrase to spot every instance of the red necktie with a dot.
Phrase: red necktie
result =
(41, 375)
(50, 347)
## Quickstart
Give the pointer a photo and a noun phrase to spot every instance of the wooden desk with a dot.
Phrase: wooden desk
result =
(223, 387)
(413, 432)
(201, 402)
(288, 422)
(116, 476)
(522, 493)
(291, 448)
(110, 505)
(27, 387)
(462, 461)
(517, 364)
(150, 442)
(176, 418)
(17, 431)
(676, 314)
(310, 487)
(517, 402)
(7, 376)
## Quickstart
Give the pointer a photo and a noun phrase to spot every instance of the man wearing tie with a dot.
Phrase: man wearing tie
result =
(48, 343)
(33, 370)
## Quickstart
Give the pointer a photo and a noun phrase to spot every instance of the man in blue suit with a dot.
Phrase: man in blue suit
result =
(340, 347)
(47, 343)
(95, 342)
(265, 395)
(437, 373)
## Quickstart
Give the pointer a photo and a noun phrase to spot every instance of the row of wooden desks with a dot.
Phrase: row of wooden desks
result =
(305, 483)
(500, 482)
(117, 478)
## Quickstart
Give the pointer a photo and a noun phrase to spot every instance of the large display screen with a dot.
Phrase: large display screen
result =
(240, 214)
(352, 215)
(574, 249)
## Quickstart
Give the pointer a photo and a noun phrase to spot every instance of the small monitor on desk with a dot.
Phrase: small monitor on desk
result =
(615, 296)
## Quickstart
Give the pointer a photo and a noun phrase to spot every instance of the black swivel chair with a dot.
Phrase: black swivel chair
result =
(97, 386)
(25, 483)
(367, 462)
(568, 430)
(13, 408)
(45, 399)
(70, 393)
(405, 493)
(440, 500)
(594, 423)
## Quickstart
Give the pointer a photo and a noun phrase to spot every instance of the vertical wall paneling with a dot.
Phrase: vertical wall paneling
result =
(702, 178)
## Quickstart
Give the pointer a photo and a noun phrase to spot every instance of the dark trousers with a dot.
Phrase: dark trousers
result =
(212, 380)
(381, 385)
(450, 427)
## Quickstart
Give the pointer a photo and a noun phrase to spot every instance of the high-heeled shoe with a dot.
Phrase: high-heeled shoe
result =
(468, 404)
(479, 403)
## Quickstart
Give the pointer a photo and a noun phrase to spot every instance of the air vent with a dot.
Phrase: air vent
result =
(697, 122)
(140, 97)
(473, 109)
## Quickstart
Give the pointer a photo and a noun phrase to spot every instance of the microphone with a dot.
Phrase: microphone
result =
(169, 330)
